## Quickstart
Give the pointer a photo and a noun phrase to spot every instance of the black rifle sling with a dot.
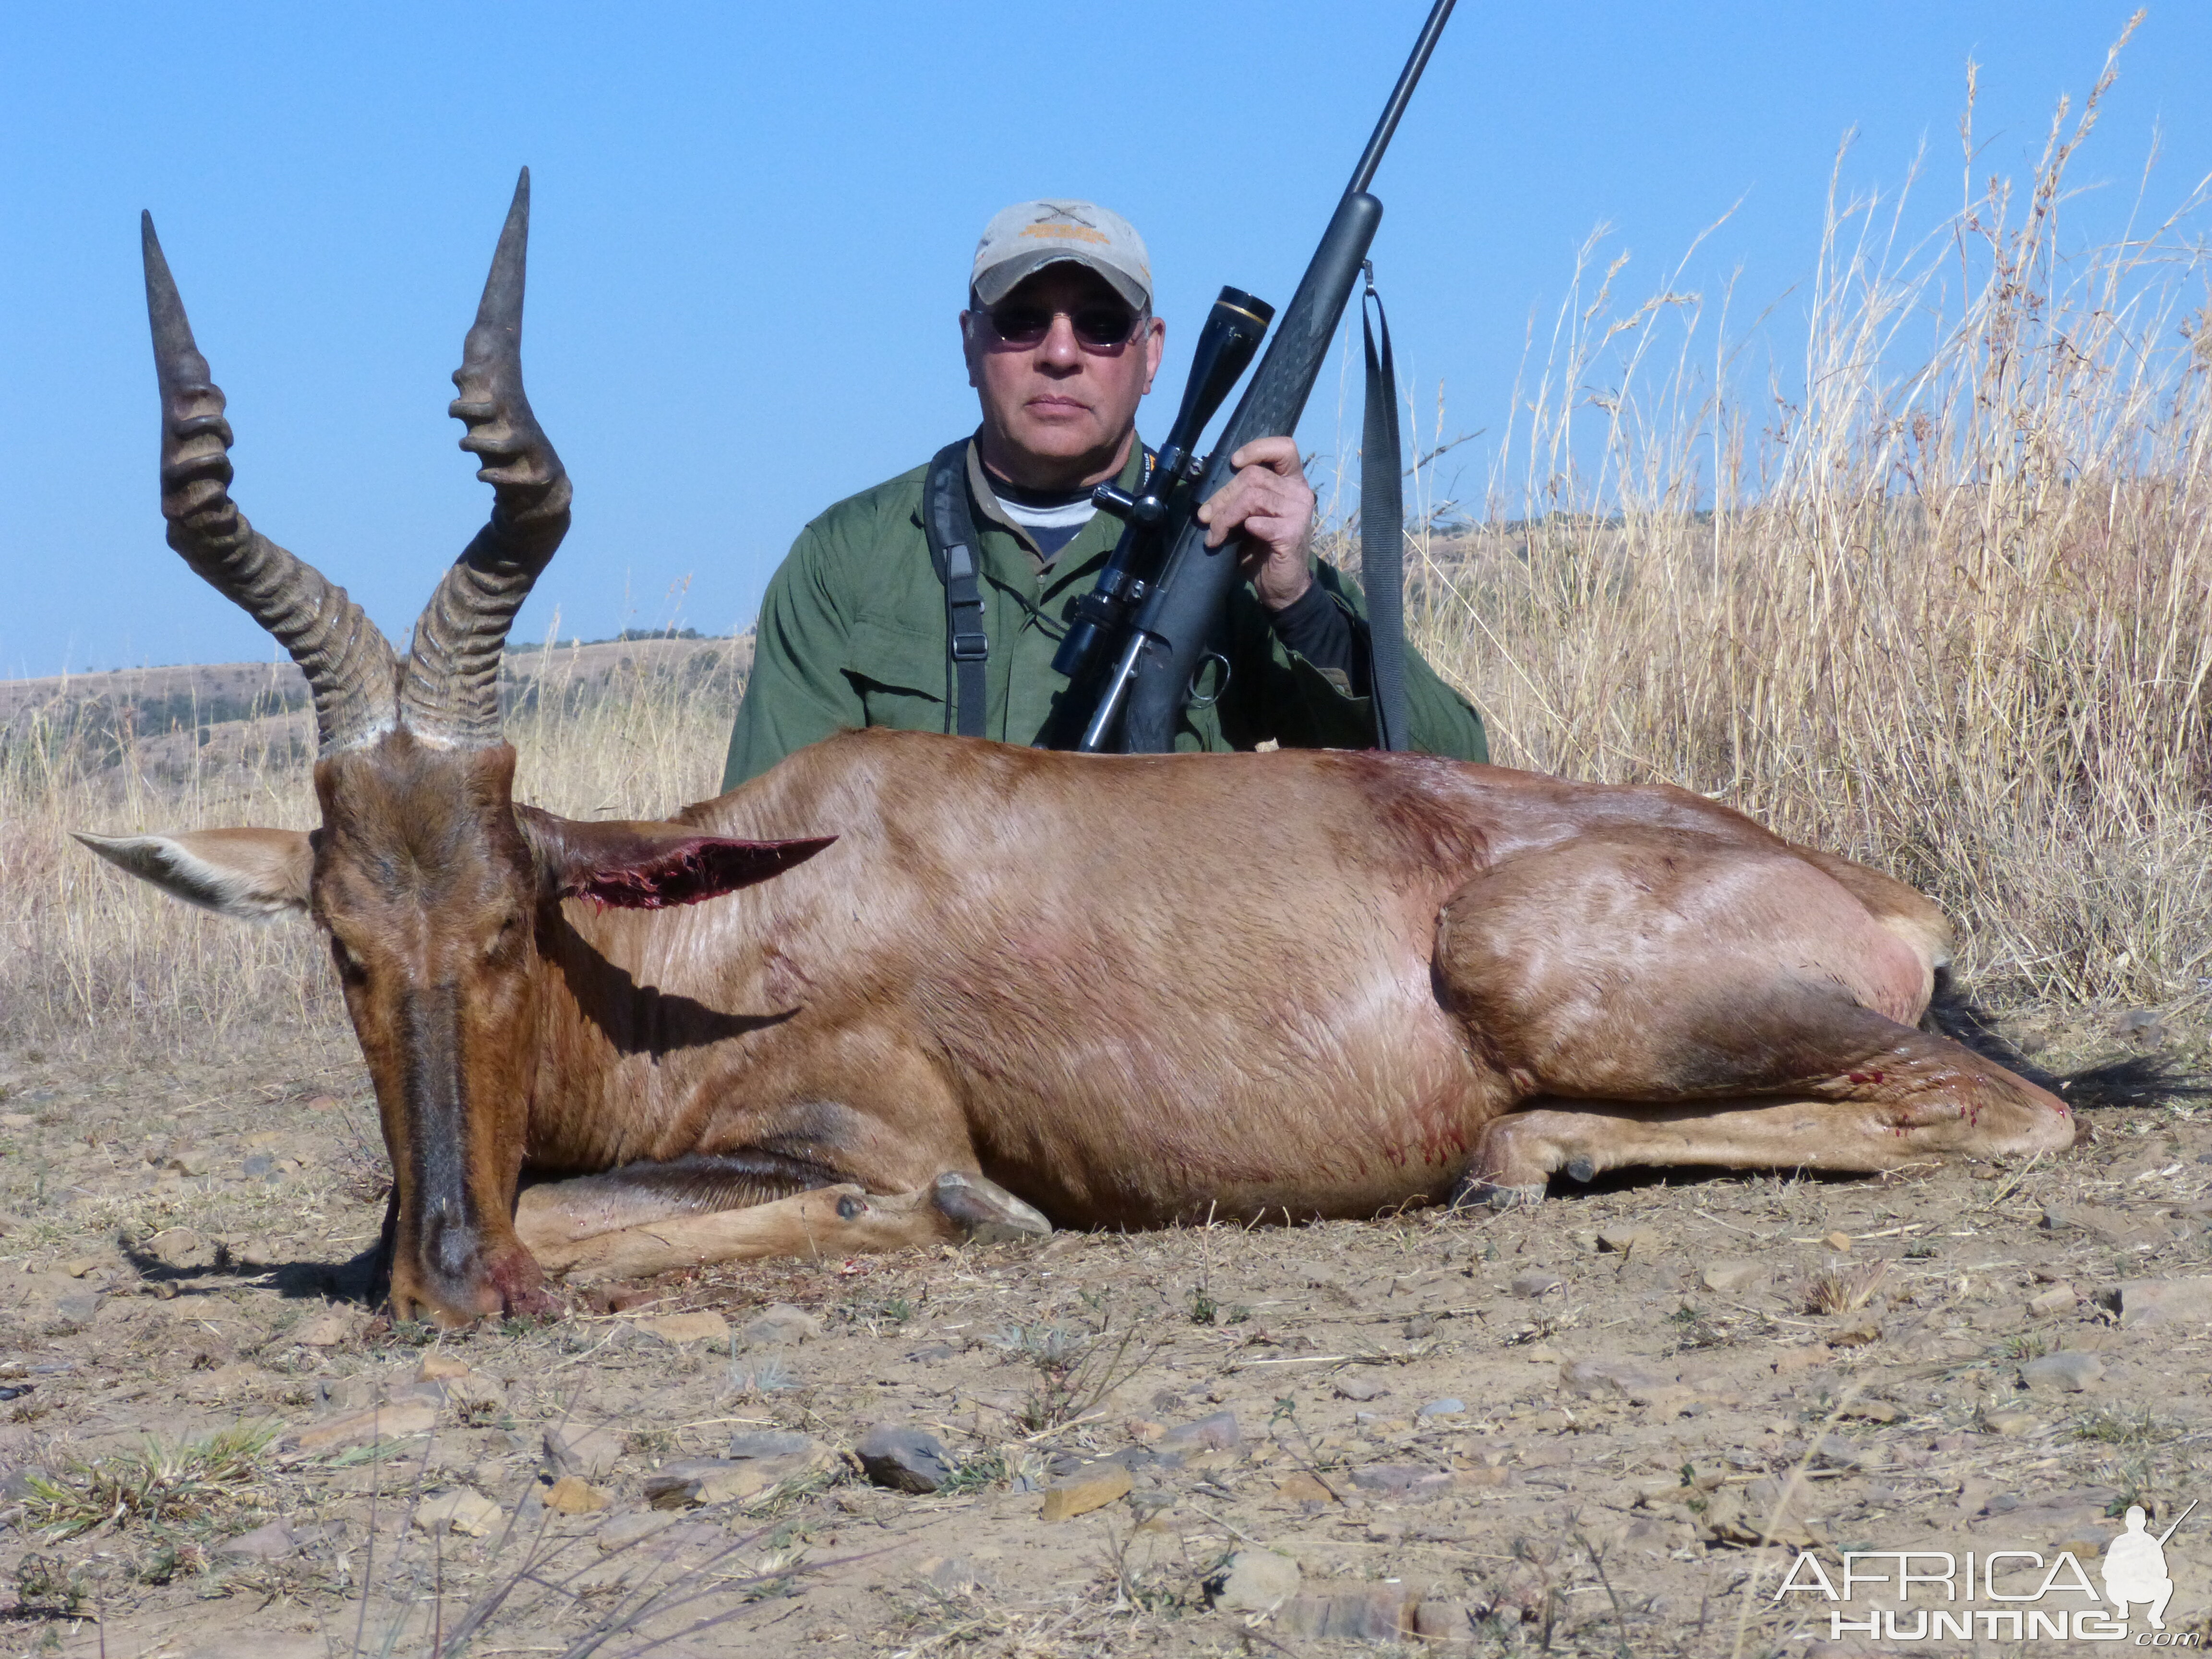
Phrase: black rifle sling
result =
(1381, 530)
(951, 528)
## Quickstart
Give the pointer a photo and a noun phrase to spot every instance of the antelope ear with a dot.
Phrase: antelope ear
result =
(255, 875)
(649, 866)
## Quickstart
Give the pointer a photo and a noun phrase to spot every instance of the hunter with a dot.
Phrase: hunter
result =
(1061, 344)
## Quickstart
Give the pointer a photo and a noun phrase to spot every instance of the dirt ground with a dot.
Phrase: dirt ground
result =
(1563, 1429)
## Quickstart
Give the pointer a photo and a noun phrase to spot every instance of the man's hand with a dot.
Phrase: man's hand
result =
(1270, 504)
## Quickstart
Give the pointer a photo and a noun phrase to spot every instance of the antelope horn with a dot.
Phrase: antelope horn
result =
(350, 668)
(449, 691)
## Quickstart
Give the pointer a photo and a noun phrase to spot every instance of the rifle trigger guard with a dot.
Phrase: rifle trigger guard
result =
(1206, 657)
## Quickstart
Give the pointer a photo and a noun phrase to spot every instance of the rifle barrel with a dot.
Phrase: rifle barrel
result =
(1372, 157)
(2177, 1520)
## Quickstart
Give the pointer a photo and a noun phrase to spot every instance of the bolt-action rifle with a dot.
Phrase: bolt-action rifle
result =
(1140, 634)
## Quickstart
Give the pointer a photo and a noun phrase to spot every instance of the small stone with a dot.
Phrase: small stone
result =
(694, 1481)
(1730, 1277)
(255, 1252)
(180, 1247)
(1759, 1514)
(1839, 1240)
(1638, 1242)
(190, 1160)
(2058, 1299)
(2166, 1301)
(680, 1328)
(1353, 1386)
(953, 1574)
(2065, 1372)
(1444, 1625)
(395, 1422)
(2141, 1026)
(1871, 1411)
(727, 1480)
(271, 1542)
(1304, 1488)
(1374, 1612)
(1216, 1433)
(1857, 1335)
(76, 1311)
(1403, 1483)
(769, 1443)
(477, 1397)
(904, 1459)
(1834, 1451)
(2012, 1423)
(780, 1325)
(327, 1330)
(588, 1454)
(79, 1266)
(437, 1367)
(1254, 1581)
(1446, 1407)
(1081, 1493)
(322, 1103)
(258, 1166)
(1617, 1377)
(570, 1496)
(1535, 1283)
(623, 1530)
(467, 1512)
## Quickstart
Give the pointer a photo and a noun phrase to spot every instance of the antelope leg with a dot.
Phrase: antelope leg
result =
(828, 1221)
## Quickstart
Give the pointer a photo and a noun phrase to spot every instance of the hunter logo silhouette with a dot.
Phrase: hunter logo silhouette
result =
(2135, 1566)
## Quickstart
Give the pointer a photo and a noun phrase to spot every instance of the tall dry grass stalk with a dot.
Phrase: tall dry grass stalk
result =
(91, 958)
(1945, 611)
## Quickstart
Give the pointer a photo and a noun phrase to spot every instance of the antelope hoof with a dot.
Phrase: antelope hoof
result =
(985, 1211)
(1474, 1193)
(1581, 1169)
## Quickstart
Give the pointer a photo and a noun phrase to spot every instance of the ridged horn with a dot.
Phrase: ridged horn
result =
(350, 665)
(449, 688)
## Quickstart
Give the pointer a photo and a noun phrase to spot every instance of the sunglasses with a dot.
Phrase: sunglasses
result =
(1100, 327)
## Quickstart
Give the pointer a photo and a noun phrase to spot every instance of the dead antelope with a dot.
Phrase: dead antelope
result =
(992, 989)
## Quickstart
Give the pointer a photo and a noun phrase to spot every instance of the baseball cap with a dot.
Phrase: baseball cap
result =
(1031, 236)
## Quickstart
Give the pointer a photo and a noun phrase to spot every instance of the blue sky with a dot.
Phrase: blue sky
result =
(753, 224)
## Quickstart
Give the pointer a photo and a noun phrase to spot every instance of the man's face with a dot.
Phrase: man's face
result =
(1059, 408)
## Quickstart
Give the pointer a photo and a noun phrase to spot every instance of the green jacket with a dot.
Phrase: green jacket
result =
(852, 633)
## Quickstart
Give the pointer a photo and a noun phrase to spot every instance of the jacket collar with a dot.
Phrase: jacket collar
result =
(985, 500)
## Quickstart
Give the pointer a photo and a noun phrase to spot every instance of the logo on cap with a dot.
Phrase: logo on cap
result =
(1078, 233)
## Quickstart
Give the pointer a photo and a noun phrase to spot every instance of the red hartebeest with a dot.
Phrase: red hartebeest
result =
(990, 986)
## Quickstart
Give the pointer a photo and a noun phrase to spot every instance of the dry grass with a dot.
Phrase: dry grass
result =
(1949, 610)
(158, 1482)
(89, 956)
(1944, 610)
(1842, 1287)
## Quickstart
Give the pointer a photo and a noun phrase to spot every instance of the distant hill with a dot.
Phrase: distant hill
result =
(158, 710)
